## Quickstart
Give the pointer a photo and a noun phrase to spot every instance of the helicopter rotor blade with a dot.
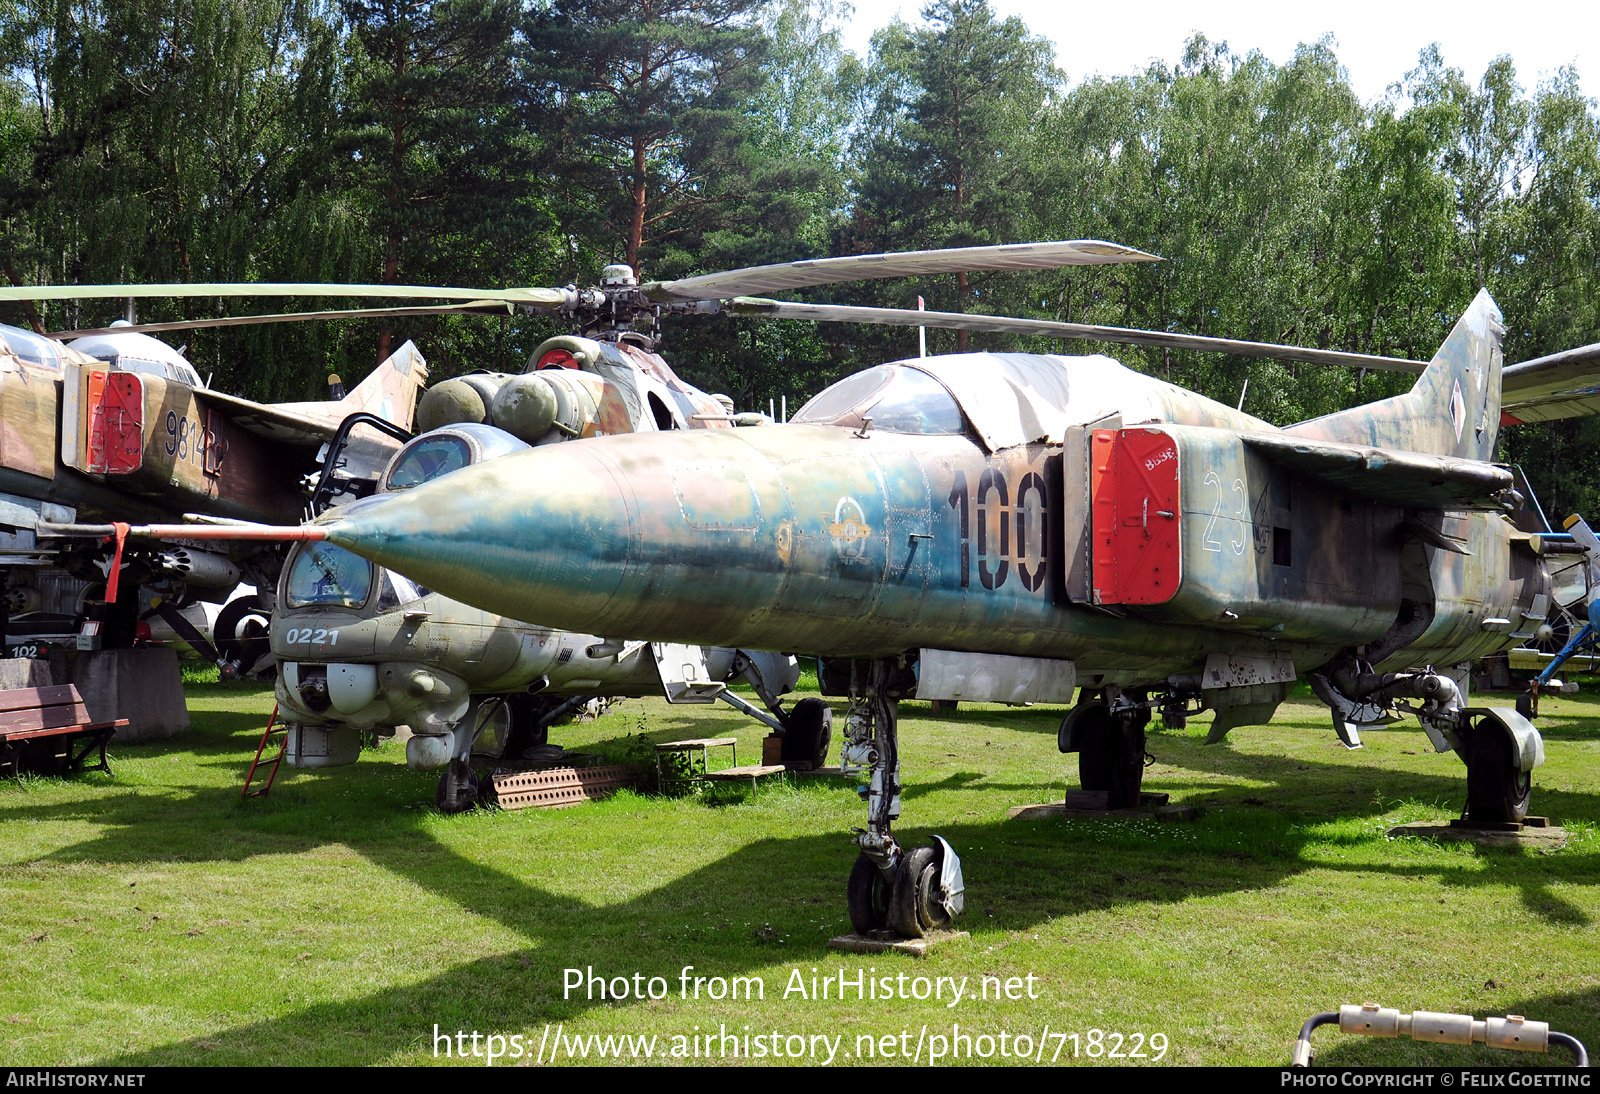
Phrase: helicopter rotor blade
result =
(785, 276)
(535, 298)
(481, 307)
(905, 317)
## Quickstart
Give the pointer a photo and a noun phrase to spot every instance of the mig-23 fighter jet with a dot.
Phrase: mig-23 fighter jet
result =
(1029, 527)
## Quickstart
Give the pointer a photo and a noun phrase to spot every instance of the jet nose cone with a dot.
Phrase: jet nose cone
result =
(501, 533)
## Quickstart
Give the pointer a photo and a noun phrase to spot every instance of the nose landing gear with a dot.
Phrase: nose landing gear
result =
(909, 893)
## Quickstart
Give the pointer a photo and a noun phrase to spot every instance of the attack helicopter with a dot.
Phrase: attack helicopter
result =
(1030, 527)
(362, 651)
(113, 423)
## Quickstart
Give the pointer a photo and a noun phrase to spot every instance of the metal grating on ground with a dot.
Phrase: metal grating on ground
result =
(556, 787)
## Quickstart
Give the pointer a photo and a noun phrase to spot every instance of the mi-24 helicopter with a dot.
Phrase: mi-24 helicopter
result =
(1023, 527)
(361, 650)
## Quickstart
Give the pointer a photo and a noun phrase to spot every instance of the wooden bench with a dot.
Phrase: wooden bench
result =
(47, 731)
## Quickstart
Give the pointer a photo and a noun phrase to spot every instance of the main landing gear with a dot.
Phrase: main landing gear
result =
(1500, 746)
(910, 892)
(1106, 730)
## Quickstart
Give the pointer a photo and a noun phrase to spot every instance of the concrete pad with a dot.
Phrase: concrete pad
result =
(888, 941)
(1059, 809)
(143, 686)
(1546, 838)
(24, 672)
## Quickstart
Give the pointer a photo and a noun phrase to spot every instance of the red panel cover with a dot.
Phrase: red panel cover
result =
(1133, 484)
(116, 422)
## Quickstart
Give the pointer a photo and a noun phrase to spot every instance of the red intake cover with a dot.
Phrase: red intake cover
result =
(116, 423)
(1133, 485)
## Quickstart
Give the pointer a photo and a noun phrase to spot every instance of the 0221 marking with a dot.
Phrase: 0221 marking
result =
(314, 636)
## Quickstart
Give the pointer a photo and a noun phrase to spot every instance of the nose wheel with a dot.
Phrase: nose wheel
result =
(907, 892)
(1496, 790)
(460, 788)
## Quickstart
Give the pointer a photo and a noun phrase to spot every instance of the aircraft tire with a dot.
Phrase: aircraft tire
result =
(527, 712)
(914, 907)
(459, 793)
(867, 896)
(903, 917)
(808, 731)
(1525, 706)
(1496, 790)
(1111, 758)
(246, 647)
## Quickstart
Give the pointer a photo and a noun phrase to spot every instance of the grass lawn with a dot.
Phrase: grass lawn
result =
(152, 917)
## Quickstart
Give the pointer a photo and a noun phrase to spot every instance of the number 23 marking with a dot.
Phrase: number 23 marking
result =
(1208, 539)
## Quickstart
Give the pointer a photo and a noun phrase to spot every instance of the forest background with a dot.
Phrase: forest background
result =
(497, 143)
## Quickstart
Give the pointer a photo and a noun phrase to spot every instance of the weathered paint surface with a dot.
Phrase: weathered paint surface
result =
(860, 541)
(184, 449)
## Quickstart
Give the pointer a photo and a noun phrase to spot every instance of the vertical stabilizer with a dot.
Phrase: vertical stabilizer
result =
(1452, 410)
(390, 392)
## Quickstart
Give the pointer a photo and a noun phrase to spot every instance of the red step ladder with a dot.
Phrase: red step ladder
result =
(266, 739)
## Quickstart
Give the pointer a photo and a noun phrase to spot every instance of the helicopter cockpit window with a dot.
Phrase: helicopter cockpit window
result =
(427, 459)
(836, 401)
(322, 574)
(396, 589)
(898, 399)
(32, 348)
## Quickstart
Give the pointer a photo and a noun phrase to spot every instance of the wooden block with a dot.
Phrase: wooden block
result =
(695, 742)
(772, 749)
(1088, 799)
(1548, 838)
(1057, 809)
(885, 941)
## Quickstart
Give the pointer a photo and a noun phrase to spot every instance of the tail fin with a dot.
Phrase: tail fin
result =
(390, 391)
(1452, 410)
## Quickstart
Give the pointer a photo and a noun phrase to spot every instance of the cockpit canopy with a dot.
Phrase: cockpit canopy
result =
(446, 449)
(135, 352)
(33, 348)
(322, 575)
(895, 398)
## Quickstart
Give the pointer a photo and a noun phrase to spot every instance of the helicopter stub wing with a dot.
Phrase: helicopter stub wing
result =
(784, 276)
(1407, 480)
(1561, 385)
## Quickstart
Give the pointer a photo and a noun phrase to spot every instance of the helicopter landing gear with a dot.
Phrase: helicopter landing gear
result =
(1497, 791)
(908, 892)
(460, 788)
(481, 734)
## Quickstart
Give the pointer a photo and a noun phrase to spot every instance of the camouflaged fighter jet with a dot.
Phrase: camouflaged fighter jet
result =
(1020, 527)
(115, 424)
